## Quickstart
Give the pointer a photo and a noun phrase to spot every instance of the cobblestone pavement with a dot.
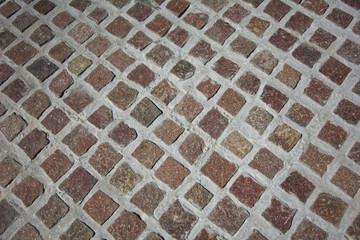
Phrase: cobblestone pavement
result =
(175, 119)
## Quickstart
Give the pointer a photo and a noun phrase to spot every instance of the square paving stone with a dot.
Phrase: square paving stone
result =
(5, 71)
(78, 100)
(306, 54)
(279, 215)
(81, 32)
(80, 5)
(78, 65)
(142, 75)
(237, 144)
(198, 195)
(348, 111)
(215, 5)
(24, 20)
(183, 70)
(333, 135)
(172, 172)
(318, 91)
(56, 165)
(123, 134)
(289, 76)
(6, 38)
(12, 126)
(339, 17)
(78, 184)
(350, 51)
(330, 208)
(225, 67)
(243, 46)
(78, 230)
(140, 40)
(300, 114)
(192, 147)
(307, 229)
(236, 13)
(127, 226)
(33, 143)
(231, 101)
(55, 120)
(160, 54)
(9, 169)
(354, 153)
(148, 198)
(98, 45)
(208, 88)
(98, 15)
(44, 6)
(188, 107)
(159, 25)
(27, 231)
(178, 7)
(299, 22)
(214, 123)
(218, 169)
(259, 119)
(42, 35)
(147, 153)
(319, 7)
(21, 53)
(122, 95)
(220, 31)
(8, 218)
(298, 185)
(36, 104)
(100, 207)
(104, 158)
(335, 70)
(61, 52)
(16, 90)
(265, 61)
(53, 211)
(120, 60)
(145, 112)
(247, 190)
(274, 98)
(208, 234)
(352, 3)
(267, 163)
(99, 77)
(283, 40)
(322, 38)
(249, 83)
(140, 11)
(177, 221)
(101, 118)
(63, 19)
(119, 27)
(354, 229)
(277, 9)
(258, 26)
(178, 36)
(346, 180)
(203, 51)
(42, 68)
(125, 178)
(197, 20)
(60, 83)
(316, 159)
(79, 140)
(285, 137)
(28, 190)
(168, 131)
(228, 216)
(8, 9)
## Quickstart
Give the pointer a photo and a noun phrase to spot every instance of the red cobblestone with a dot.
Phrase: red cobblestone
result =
(247, 190)
(172, 172)
(140, 40)
(225, 67)
(56, 165)
(192, 147)
(236, 13)
(307, 229)
(348, 111)
(322, 38)
(335, 70)
(274, 98)
(63, 19)
(119, 27)
(316, 159)
(197, 20)
(148, 198)
(214, 123)
(160, 25)
(188, 107)
(81, 32)
(27, 231)
(306, 55)
(142, 75)
(267, 163)
(208, 88)
(350, 51)
(8, 218)
(318, 91)
(140, 11)
(243, 46)
(12, 126)
(54, 210)
(99, 77)
(299, 22)
(78, 100)
(178, 36)
(60, 83)
(220, 31)
(127, 226)
(339, 17)
(122, 134)
(300, 114)
(61, 52)
(231, 101)
(354, 153)
(55, 120)
(21, 53)
(277, 9)
(164, 92)
(28, 190)
(298, 185)
(265, 61)
(9, 169)
(178, 7)
(346, 180)
(102, 117)
(333, 135)
(160, 54)
(104, 158)
(198, 195)
(98, 45)
(98, 15)
(203, 51)
(279, 215)
(283, 40)
(319, 7)
(147, 153)
(16, 90)
(33, 143)
(79, 140)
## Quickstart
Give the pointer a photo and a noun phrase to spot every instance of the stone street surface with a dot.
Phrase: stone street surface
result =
(179, 119)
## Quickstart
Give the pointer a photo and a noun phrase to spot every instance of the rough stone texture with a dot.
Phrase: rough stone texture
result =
(354, 153)
(78, 100)
(318, 7)
(330, 208)
(122, 134)
(51, 213)
(168, 131)
(306, 54)
(99, 77)
(265, 61)
(98, 45)
(119, 27)
(7, 219)
(289, 76)
(79, 140)
(348, 111)
(247, 190)
(267, 163)
(300, 114)
(56, 165)
(198, 195)
(120, 60)
(236, 13)
(228, 216)
(27, 231)
(44, 6)
(354, 229)
(98, 15)
(81, 32)
(188, 107)
(350, 51)
(12, 126)
(78, 184)
(283, 40)
(307, 229)
(36, 104)
(256, 235)
(9, 169)
(21, 53)
(6, 38)
(148, 198)
(140, 40)
(78, 65)
(178, 7)
(42, 35)
(172, 172)
(243, 46)
(9, 9)
(299, 22)
(78, 230)
(203, 51)
(335, 70)
(208, 88)
(147, 153)
(215, 5)
(160, 54)
(237, 144)
(316, 159)
(258, 26)
(122, 95)
(127, 226)
(125, 178)
(192, 147)
(60, 83)
(220, 31)
(178, 36)
(318, 91)
(249, 83)
(322, 38)
(42, 68)
(104, 158)
(298, 185)
(218, 169)
(346, 180)
(225, 67)
(5, 72)
(259, 119)
(101, 118)
(277, 9)
(140, 11)
(63, 19)
(285, 137)
(214, 123)
(207, 234)
(177, 221)
(183, 70)
(339, 17)
(16, 90)
(274, 98)
(24, 21)
(160, 25)
(100, 207)
(33, 143)
(142, 75)
(333, 135)
(145, 112)
(197, 20)
(28, 190)
(61, 52)
(279, 215)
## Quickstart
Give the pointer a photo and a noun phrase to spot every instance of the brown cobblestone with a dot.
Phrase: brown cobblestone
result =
(6, 38)
(258, 26)
(307, 229)
(33, 143)
(61, 52)
(12, 126)
(188, 107)
(145, 112)
(192, 147)
(333, 135)
(197, 20)
(16, 90)
(160, 54)
(51, 213)
(236, 13)
(350, 51)
(178, 36)
(55, 120)
(8, 9)
(8, 218)
(318, 91)
(147, 153)
(78, 230)
(289, 76)
(279, 215)
(27, 231)
(60, 83)
(322, 38)
(354, 229)
(354, 153)
(99, 77)
(198, 195)
(299, 22)
(203, 51)
(63, 19)
(265, 61)
(346, 180)
(78, 100)
(56, 165)
(140, 40)
(237, 144)
(122, 134)
(104, 158)
(335, 70)
(79, 140)
(178, 7)
(208, 87)
(283, 40)
(98, 45)
(316, 159)
(183, 70)
(285, 137)
(298, 185)
(160, 25)
(81, 32)
(318, 7)
(24, 21)
(36, 104)
(21, 53)
(42, 35)
(148, 198)
(142, 75)
(119, 27)
(98, 15)
(277, 9)
(256, 235)
(168, 131)
(9, 169)
(140, 11)
(125, 178)
(127, 226)
(44, 6)
(306, 55)
(274, 98)
(339, 17)
(172, 172)
(214, 123)
(247, 190)
(220, 31)
(267, 163)
(79, 64)
(300, 114)
(5, 71)
(28, 190)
